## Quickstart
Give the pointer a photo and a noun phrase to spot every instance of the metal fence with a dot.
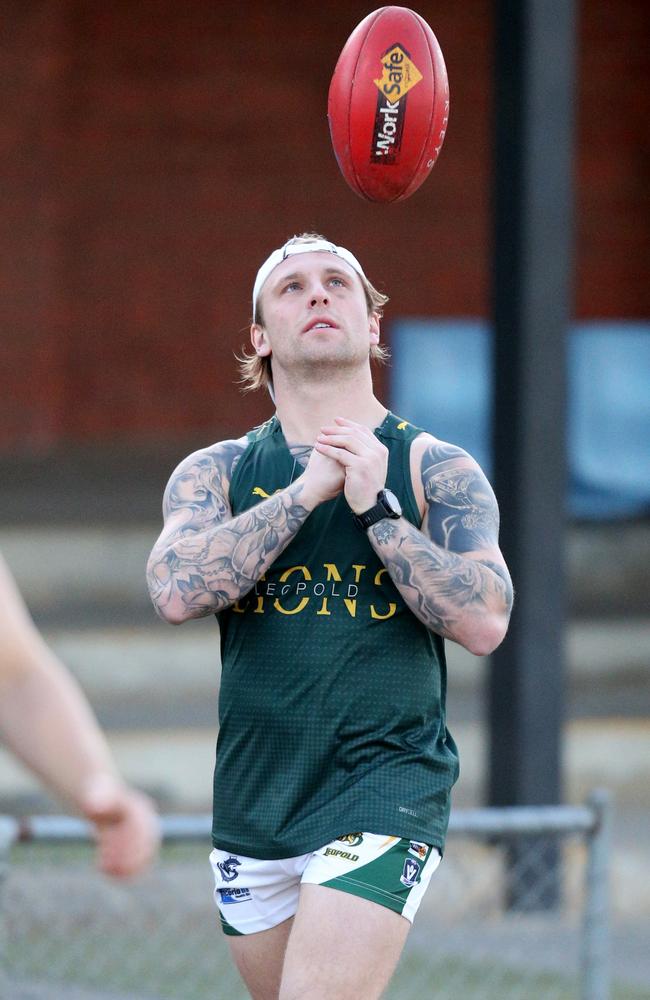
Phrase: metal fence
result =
(518, 909)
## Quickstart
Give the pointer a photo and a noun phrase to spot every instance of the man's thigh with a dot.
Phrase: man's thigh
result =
(256, 901)
(259, 959)
(341, 947)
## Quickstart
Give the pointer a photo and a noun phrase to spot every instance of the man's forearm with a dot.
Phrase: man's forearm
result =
(457, 597)
(196, 573)
(48, 724)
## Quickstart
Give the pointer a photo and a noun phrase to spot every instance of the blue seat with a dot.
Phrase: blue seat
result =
(440, 379)
(609, 419)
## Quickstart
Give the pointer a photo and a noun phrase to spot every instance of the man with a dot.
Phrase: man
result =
(339, 546)
(46, 721)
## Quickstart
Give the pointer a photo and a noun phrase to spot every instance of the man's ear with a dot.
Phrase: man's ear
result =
(373, 325)
(260, 340)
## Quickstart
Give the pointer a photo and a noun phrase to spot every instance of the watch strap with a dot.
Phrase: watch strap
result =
(377, 513)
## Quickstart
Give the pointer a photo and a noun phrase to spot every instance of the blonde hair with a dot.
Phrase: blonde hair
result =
(255, 372)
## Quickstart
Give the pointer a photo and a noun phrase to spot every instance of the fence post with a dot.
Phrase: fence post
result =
(8, 836)
(595, 932)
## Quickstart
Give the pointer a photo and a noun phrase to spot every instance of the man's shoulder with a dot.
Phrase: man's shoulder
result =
(427, 448)
(221, 457)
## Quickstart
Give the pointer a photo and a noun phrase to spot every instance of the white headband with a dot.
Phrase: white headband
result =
(289, 249)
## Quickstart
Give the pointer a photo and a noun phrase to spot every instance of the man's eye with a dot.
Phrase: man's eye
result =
(338, 281)
(291, 285)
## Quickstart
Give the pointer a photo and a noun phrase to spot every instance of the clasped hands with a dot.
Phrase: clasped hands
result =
(348, 457)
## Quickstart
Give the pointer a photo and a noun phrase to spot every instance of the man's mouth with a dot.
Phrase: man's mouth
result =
(320, 324)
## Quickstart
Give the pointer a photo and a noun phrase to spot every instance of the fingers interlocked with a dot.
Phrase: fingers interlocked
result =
(363, 456)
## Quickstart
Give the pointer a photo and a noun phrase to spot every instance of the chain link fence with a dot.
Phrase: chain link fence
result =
(518, 909)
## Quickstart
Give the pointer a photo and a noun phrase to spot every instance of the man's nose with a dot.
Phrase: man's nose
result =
(318, 296)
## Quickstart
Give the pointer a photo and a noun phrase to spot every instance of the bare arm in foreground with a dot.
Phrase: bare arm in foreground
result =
(47, 723)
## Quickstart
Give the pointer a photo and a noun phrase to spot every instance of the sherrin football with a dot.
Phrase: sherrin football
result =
(388, 104)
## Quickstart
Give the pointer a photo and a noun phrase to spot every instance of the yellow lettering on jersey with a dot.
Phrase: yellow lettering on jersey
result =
(303, 602)
(332, 572)
(259, 607)
(392, 608)
(350, 602)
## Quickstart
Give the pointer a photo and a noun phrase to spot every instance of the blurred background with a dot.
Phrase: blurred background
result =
(153, 154)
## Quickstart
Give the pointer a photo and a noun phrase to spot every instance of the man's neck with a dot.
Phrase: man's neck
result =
(304, 408)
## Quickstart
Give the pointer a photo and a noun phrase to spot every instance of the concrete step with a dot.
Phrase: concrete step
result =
(86, 589)
(83, 575)
(175, 764)
(158, 675)
(94, 573)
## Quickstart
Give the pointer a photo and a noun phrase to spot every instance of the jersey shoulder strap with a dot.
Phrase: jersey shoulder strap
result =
(262, 430)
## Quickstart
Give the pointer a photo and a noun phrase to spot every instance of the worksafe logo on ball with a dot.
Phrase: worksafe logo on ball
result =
(399, 75)
(410, 873)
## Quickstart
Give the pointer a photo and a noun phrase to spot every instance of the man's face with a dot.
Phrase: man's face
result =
(315, 314)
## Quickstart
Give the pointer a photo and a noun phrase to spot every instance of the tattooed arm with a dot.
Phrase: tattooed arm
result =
(451, 572)
(205, 559)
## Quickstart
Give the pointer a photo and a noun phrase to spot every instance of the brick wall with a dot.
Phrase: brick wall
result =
(153, 154)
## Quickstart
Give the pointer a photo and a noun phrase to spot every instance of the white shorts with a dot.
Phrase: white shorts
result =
(254, 895)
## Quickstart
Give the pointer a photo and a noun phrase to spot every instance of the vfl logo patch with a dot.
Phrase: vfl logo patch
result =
(410, 872)
(399, 75)
(228, 868)
(234, 895)
(418, 849)
(352, 839)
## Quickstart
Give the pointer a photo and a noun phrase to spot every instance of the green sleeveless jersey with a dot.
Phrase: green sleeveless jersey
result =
(332, 700)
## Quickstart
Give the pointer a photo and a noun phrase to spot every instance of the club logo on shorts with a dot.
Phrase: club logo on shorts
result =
(228, 868)
(410, 872)
(351, 839)
(418, 849)
(234, 895)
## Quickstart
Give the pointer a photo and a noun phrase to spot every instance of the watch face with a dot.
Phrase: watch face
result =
(391, 503)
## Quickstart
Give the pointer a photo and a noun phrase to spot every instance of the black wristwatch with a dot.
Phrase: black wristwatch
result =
(387, 506)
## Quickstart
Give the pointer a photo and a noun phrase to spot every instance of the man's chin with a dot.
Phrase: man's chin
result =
(336, 355)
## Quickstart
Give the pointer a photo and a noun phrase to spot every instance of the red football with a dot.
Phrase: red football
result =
(388, 104)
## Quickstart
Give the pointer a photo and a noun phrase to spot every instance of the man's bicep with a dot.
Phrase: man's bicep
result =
(196, 496)
(461, 512)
